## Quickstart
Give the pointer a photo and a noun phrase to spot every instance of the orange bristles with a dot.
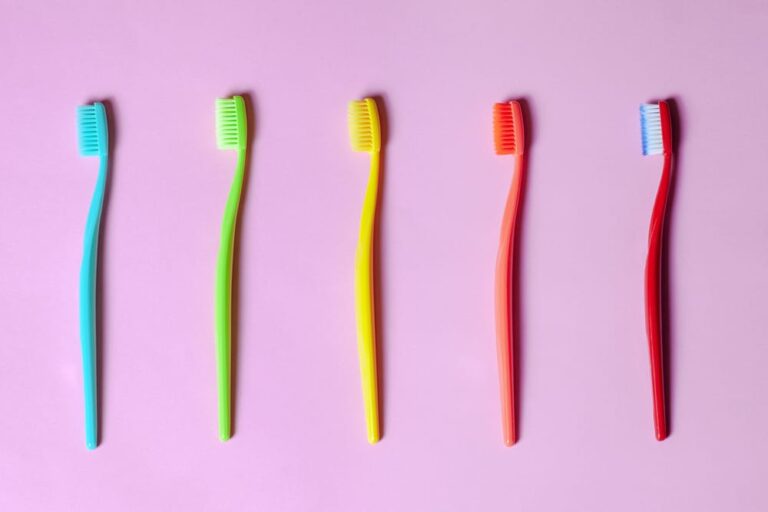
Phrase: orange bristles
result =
(508, 128)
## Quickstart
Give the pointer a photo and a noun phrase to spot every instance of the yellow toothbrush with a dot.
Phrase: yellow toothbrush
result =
(365, 136)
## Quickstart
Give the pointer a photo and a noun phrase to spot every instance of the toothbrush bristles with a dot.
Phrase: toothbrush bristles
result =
(508, 128)
(364, 129)
(91, 130)
(230, 123)
(650, 128)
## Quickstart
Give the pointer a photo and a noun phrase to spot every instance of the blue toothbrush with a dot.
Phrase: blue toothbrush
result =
(93, 141)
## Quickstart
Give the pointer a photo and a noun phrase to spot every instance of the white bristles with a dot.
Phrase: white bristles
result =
(650, 127)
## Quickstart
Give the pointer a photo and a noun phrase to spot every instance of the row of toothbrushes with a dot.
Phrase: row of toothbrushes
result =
(365, 136)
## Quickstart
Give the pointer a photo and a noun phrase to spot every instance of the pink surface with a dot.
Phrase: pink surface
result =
(586, 426)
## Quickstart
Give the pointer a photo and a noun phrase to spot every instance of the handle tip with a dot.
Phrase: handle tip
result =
(660, 420)
(510, 436)
(225, 431)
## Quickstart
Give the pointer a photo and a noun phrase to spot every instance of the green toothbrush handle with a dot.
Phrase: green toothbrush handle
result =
(224, 301)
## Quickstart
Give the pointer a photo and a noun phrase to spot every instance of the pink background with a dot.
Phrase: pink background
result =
(586, 428)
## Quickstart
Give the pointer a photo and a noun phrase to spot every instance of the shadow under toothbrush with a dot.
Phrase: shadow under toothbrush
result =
(101, 315)
(379, 292)
(668, 348)
(250, 110)
(518, 349)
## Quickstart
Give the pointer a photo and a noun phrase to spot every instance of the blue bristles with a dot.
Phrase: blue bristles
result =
(650, 126)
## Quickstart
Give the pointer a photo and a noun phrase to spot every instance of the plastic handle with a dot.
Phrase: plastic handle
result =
(365, 305)
(223, 307)
(505, 342)
(653, 301)
(88, 305)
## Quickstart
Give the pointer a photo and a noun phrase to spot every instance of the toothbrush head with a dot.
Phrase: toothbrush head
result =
(93, 139)
(655, 128)
(508, 131)
(364, 126)
(231, 123)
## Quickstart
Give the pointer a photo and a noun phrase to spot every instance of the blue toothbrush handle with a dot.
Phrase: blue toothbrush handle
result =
(88, 306)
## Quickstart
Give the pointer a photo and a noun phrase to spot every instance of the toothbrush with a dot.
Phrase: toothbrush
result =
(231, 134)
(365, 136)
(656, 130)
(509, 140)
(93, 139)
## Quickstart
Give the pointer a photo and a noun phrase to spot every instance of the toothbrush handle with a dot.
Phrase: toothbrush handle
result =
(88, 306)
(653, 299)
(223, 301)
(365, 309)
(505, 308)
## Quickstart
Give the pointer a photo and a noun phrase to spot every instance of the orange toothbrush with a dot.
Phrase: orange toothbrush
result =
(509, 139)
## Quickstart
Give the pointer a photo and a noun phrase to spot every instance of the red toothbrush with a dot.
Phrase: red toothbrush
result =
(656, 128)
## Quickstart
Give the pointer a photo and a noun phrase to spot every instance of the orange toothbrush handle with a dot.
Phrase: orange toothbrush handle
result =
(505, 287)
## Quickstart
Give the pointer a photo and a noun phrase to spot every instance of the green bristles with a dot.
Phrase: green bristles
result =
(231, 125)
(92, 130)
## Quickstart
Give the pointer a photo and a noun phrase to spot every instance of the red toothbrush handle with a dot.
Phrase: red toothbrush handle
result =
(505, 290)
(653, 300)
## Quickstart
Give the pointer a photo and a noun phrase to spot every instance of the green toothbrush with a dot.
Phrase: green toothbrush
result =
(231, 128)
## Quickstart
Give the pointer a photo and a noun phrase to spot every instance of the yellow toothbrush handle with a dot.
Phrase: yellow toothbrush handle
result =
(365, 309)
